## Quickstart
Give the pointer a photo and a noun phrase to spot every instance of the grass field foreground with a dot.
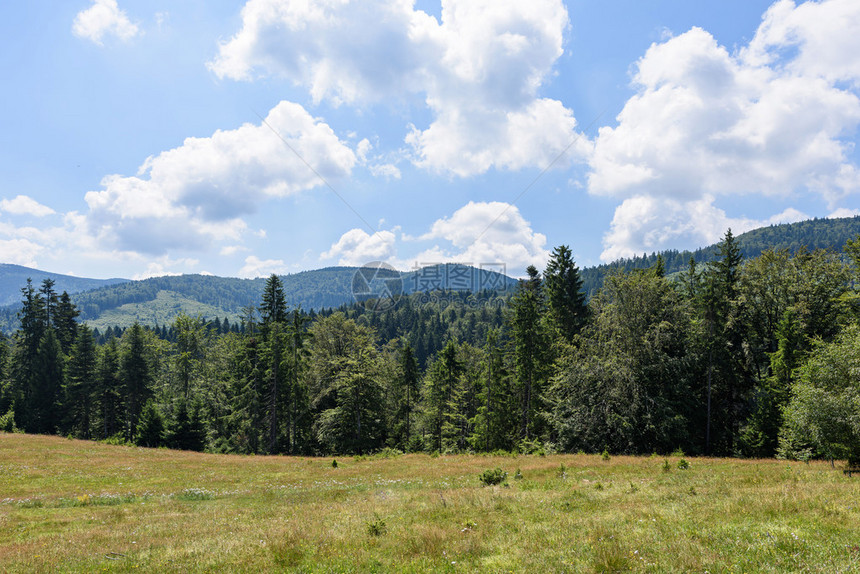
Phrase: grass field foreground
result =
(76, 506)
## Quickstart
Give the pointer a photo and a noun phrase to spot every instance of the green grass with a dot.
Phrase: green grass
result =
(74, 506)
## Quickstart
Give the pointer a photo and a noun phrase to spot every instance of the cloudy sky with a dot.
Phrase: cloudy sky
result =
(148, 137)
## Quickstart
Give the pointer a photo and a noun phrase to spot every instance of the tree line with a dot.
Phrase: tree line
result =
(754, 357)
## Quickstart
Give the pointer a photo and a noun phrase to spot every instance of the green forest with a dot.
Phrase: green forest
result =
(752, 357)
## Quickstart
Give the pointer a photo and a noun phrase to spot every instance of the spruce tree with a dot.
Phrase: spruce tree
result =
(565, 300)
(149, 431)
(136, 376)
(81, 384)
(531, 351)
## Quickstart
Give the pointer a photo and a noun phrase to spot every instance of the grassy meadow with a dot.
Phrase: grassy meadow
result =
(75, 506)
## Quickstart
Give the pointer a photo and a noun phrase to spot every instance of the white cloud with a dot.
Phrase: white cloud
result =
(844, 212)
(23, 205)
(484, 233)
(165, 266)
(256, 267)
(772, 119)
(104, 18)
(356, 247)
(19, 252)
(196, 193)
(479, 70)
(646, 223)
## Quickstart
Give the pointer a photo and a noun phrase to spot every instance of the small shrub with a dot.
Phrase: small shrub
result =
(666, 466)
(492, 477)
(683, 464)
(376, 527)
(562, 471)
(678, 452)
(605, 455)
(334, 464)
(7, 422)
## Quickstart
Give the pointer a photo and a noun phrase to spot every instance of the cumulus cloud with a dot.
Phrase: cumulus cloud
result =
(196, 193)
(645, 223)
(24, 205)
(485, 233)
(104, 18)
(773, 119)
(165, 266)
(20, 251)
(356, 247)
(479, 70)
(256, 267)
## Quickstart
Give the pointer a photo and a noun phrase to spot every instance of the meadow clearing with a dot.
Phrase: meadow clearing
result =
(77, 506)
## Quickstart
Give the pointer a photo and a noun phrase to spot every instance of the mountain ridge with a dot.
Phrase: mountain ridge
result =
(160, 299)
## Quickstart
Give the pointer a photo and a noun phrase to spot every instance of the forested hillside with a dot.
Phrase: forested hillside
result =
(743, 357)
(13, 278)
(159, 300)
(811, 234)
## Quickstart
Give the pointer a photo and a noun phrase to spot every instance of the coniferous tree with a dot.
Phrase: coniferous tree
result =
(44, 406)
(64, 322)
(149, 431)
(186, 430)
(565, 300)
(495, 422)
(727, 376)
(407, 388)
(109, 395)
(81, 384)
(136, 376)
(530, 349)
(442, 382)
(24, 361)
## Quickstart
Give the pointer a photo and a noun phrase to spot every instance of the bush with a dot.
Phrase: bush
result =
(7, 422)
(494, 476)
(604, 455)
(683, 464)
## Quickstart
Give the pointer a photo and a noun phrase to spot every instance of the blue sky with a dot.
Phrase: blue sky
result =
(146, 138)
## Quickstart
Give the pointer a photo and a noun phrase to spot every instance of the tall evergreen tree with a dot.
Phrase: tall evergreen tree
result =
(136, 376)
(109, 395)
(81, 384)
(727, 376)
(407, 389)
(442, 382)
(64, 322)
(531, 344)
(565, 300)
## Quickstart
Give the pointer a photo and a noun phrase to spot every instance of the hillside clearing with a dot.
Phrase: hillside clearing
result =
(73, 506)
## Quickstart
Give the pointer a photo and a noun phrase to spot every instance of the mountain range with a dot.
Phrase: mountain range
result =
(158, 300)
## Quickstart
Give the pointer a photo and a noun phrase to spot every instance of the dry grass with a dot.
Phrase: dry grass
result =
(73, 506)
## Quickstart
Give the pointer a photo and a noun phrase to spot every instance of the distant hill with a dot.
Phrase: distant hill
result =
(14, 277)
(119, 302)
(159, 300)
(812, 234)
